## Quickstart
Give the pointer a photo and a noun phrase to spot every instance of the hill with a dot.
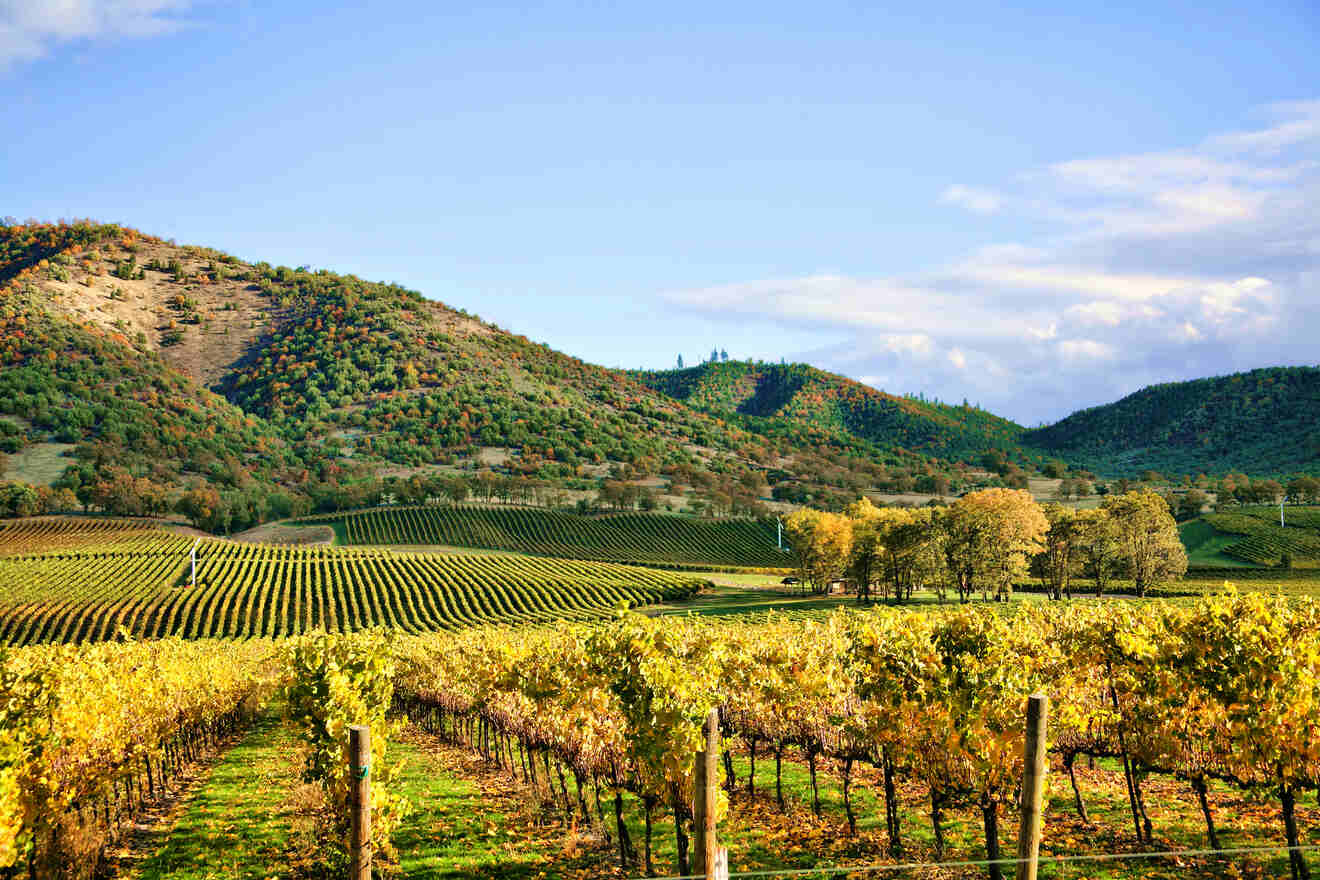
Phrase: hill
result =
(777, 399)
(153, 368)
(1251, 535)
(1263, 422)
(631, 538)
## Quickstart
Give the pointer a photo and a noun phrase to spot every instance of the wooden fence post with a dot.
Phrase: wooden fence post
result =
(359, 799)
(1035, 765)
(712, 860)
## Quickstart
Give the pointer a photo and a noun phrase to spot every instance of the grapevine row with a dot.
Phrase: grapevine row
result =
(88, 733)
(1226, 689)
(254, 590)
(643, 538)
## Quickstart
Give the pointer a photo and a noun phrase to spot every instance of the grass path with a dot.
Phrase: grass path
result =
(239, 822)
(252, 818)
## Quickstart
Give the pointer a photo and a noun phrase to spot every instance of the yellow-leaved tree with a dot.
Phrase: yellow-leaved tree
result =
(821, 544)
(1149, 537)
(989, 538)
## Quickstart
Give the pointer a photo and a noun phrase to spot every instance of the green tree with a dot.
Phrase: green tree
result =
(1062, 550)
(1148, 536)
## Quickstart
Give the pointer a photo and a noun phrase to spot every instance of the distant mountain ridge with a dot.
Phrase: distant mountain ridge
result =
(1263, 422)
(802, 394)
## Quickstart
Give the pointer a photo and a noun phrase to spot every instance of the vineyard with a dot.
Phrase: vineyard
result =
(25, 536)
(1263, 541)
(140, 581)
(1219, 696)
(630, 538)
(89, 733)
(1202, 709)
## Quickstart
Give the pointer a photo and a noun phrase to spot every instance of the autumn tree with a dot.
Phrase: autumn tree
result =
(821, 543)
(1149, 537)
(1187, 505)
(867, 546)
(989, 537)
(1062, 551)
(1099, 550)
(1304, 488)
(200, 505)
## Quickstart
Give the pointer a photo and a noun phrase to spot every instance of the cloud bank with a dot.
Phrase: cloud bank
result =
(30, 29)
(1164, 266)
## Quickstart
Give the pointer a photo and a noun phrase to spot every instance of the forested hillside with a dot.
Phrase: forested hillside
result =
(1265, 422)
(775, 399)
(139, 376)
(154, 369)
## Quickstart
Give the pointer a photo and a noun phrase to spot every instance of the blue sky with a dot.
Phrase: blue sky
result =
(1038, 209)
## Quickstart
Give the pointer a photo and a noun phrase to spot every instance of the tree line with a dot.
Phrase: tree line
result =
(986, 541)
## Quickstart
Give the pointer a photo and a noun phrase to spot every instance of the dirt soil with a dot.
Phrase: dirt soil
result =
(278, 533)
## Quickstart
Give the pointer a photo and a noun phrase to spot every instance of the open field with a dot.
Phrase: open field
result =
(39, 464)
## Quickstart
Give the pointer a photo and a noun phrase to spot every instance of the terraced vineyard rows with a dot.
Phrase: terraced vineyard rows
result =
(58, 533)
(1264, 541)
(640, 538)
(255, 590)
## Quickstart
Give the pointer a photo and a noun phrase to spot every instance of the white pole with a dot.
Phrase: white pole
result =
(193, 553)
(779, 540)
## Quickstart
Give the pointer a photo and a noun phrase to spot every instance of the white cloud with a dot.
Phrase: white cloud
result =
(974, 199)
(1162, 266)
(30, 29)
(1188, 332)
(910, 343)
(1074, 350)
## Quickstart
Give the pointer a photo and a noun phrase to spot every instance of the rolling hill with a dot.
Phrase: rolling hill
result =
(775, 399)
(1263, 422)
(133, 369)
(155, 367)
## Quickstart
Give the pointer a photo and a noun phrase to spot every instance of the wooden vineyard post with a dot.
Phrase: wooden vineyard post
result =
(712, 860)
(1034, 767)
(359, 799)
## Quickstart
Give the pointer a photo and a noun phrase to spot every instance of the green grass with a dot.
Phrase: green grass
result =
(458, 831)
(38, 463)
(250, 819)
(726, 600)
(239, 823)
(1205, 545)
